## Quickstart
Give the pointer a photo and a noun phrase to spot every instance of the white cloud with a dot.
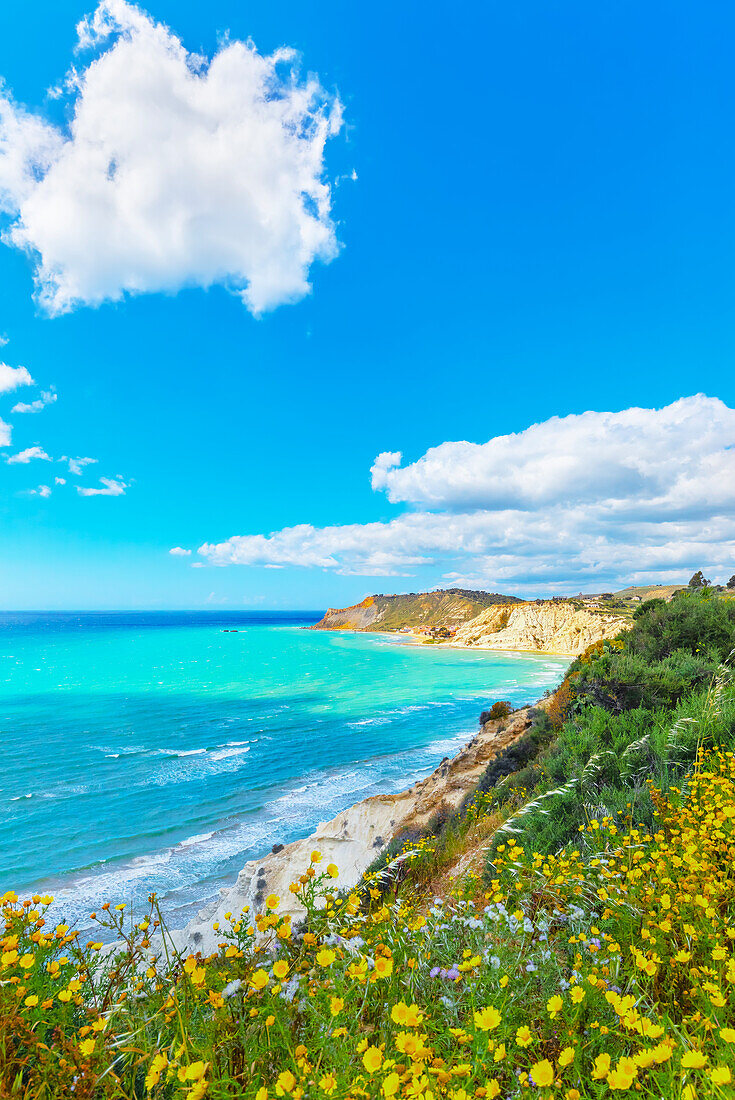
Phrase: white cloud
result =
(642, 494)
(13, 377)
(5, 434)
(28, 148)
(111, 487)
(28, 455)
(658, 456)
(374, 549)
(382, 466)
(59, 481)
(179, 552)
(41, 491)
(47, 398)
(76, 465)
(175, 170)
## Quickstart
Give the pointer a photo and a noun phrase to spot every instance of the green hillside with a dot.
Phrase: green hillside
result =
(418, 610)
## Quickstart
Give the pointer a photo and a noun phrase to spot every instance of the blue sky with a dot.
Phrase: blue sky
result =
(542, 224)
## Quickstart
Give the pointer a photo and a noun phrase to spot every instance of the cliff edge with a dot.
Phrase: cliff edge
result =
(548, 627)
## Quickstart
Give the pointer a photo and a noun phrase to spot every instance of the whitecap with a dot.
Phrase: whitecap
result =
(199, 838)
(179, 752)
(225, 754)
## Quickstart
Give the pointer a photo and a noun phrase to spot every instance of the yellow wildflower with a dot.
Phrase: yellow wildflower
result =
(372, 1059)
(259, 979)
(391, 1084)
(286, 1082)
(158, 1064)
(524, 1038)
(694, 1059)
(487, 1019)
(542, 1073)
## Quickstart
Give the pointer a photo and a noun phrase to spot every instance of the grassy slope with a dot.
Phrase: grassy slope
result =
(419, 610)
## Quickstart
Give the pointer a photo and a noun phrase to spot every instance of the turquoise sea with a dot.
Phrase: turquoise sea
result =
(159, 751)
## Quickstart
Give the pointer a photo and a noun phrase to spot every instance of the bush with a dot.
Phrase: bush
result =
(561, 704)
(674, 647)
(498, 710)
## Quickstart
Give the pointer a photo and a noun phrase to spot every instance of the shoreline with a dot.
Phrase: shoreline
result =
(424, 639)
(356, 836)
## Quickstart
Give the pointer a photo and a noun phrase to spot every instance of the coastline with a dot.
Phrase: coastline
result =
(556, 627)
(425, 639)
(355, 837)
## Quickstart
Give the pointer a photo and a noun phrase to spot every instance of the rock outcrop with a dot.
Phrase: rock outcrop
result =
(355, 837)
(548, 627)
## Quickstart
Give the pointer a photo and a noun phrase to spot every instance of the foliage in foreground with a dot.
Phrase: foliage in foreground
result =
(580, 976)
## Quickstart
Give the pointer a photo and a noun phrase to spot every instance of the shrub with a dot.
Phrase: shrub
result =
(498, 710)
(561, 704)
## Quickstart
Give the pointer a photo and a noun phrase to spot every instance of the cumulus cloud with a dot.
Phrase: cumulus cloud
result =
(47, 398)
(41, 491)
(5, 434)
(28, 148)
(658, 456)
(109, 487)
(640, 494)
(11, 378)
(174, 170)
(28, 455)
(76, 465)
(179, 552)
(382, 467)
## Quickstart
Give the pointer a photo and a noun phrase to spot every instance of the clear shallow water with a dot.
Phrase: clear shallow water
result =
(154, 751)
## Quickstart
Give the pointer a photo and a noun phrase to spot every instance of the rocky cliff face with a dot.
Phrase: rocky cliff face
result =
(361, 616)
(548, 627)
(355, 837)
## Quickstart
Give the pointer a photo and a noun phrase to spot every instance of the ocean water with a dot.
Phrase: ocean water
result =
(160, 751)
